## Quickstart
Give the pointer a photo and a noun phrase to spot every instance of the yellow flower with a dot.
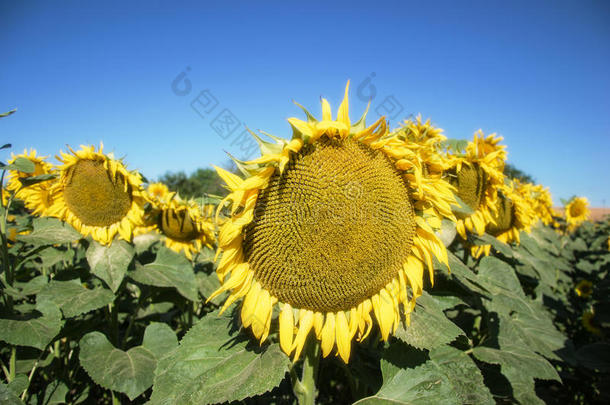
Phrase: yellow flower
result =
(97, 195)
(588, 321)
(36, 197)
(335, 226)
(539, 198)
(512, 215)
(157, 190)
(477, 175)
(576, 212)
(584, 288)
(184, 226)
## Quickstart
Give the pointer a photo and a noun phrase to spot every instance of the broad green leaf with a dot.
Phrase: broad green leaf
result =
(518, 363)
(429, 327)
(215, 364)
(448, 377)
(22, 164)
(447, 232)
(74, 299)
(143, 242)
(7, 397)
(110, 263)
(506, 292)
(130, 372)
(30, 181)
(55, 393)
(33, 330)
(207, 284)
(461, 207)
(51, 256)
(170, 269)
(538, 332)
(19, 384)
(595, 356)
(499, 246)
(463, 275)
(50, 231)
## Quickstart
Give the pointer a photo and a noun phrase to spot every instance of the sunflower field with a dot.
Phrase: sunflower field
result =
(349, 263)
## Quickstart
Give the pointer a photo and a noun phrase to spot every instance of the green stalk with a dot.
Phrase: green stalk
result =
(305, 388)
(12, 364)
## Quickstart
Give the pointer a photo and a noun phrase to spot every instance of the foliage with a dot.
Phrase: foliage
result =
(512, 172)
(196, 184)
(129, 322)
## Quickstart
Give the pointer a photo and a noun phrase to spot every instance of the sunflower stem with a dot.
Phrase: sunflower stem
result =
(305, 388)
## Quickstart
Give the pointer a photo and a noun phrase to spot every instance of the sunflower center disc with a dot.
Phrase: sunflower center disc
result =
(333, 229)
(95, 196)
(470, 183)
(178, 225)
(504, 219)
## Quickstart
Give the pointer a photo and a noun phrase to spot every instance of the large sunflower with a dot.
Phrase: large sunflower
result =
(577, 211)
(36, 197)
(332, 226)
(512, 215)
(477, 174)
(97, 195)
(183, 224)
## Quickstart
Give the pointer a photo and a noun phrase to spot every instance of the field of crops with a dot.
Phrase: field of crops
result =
(349, 263)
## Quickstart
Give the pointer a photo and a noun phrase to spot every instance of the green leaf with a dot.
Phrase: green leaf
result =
(50, 231)
(448, 232)
(7, 397)
(215, 364)
(499, 246)
(29, 181)
(33, 330)
(207, 284)
(595, 356)
(464, 276)
(6, 114)
(461, 208)
(19, 384)
(170, 269)
(518, 363)
(21, 164)
(130, 372)
(55, 393)
(74, 299)
(449, 377)
(429, 327)
(110, 263)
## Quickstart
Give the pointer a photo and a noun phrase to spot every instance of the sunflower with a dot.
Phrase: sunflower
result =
(183, 225)
(584, 288)
(577, 211)
(334, 227)
(512, 215)
(157, 190)
(36, 197)
(590, 323)
(97, 195)
(539, 198)
(477, 174)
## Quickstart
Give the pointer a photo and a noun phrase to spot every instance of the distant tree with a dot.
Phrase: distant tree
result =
(199, 182)
(512, 172)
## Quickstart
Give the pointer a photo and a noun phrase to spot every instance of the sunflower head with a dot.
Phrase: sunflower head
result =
(334, 225)
(183, 224)
(539, 198)
(584, 289)
(36, 197)
(590, 323)
(477, 173)
(577, 211)
(158, 191)
(97, 195)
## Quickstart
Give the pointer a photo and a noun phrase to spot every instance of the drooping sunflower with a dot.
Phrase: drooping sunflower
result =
(97, 195)
(590, 323)
(332, 226)
(158, 191)
(513, 214)
(576, 212)
(584, 288)
(477, 174)
(36, 197)
(539, 198)
(182, 223)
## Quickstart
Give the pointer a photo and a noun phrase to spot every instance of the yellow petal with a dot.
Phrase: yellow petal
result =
(318, 323)
(328, 334)
(343, 113)
(344, 343)
(286, 328)
(305, 324)
(249, 305)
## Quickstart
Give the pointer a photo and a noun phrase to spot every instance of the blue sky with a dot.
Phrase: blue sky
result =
(533, 72)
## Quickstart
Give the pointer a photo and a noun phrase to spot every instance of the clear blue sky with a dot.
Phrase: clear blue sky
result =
(537, 73)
